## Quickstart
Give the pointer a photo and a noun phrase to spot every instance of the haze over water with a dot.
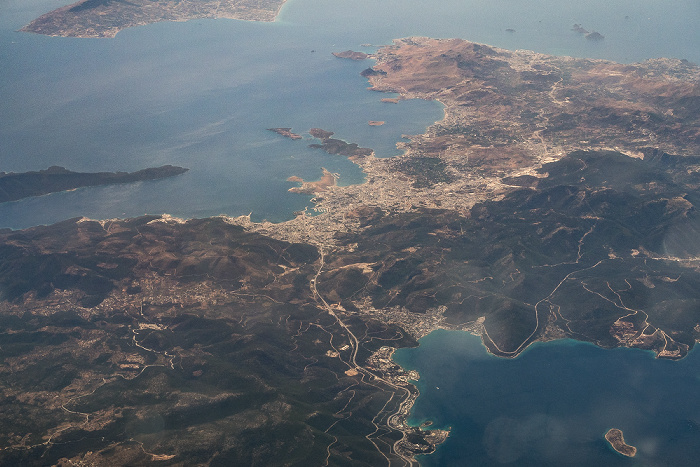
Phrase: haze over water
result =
(553, 404)
(201, 94)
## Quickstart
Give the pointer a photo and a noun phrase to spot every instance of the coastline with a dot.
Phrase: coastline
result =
(455, 374)
(458, 193)
(74, 21)
(415, 440)
(408, 403)
(398, 196)
(327, 180)
(616, 438)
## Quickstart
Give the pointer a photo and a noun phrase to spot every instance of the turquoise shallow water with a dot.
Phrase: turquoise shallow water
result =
(553, 404)
(201, 94)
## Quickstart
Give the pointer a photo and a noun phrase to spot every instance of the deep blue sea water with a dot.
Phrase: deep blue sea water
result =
(201, 94)
(553, 404)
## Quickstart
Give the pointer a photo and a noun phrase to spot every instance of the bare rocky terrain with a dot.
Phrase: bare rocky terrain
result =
(557, 198)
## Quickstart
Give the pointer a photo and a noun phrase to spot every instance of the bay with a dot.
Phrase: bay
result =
(553, 404)
(201, 94)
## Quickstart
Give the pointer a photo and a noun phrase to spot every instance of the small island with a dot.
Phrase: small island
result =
(15, 186)
(351, 54)
(337, 146)
(579, 29)
(590, 35)
(617, 441)
(286, 132)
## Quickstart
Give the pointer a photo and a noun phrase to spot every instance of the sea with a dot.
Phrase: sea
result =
(202, 94)
(553, 404)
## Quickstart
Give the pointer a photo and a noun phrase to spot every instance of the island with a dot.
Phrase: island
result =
(105, 18)
(337, 146)
(590, 35)
(579, 29)
(286, 132)
(617, 441)
(352, 55)
(15, 186)
(553, 200)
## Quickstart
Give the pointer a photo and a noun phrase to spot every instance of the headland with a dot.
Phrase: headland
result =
(14, 186)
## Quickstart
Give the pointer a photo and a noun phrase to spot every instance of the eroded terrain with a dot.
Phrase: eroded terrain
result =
(129, 342)
(557, 198)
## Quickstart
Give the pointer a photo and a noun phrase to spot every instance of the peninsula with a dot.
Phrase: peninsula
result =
(105, 18)
(522, 134)
(327, 180)
(14, 186)
(553, 200)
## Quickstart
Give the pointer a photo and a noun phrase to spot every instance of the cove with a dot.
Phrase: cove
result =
(553, 404)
